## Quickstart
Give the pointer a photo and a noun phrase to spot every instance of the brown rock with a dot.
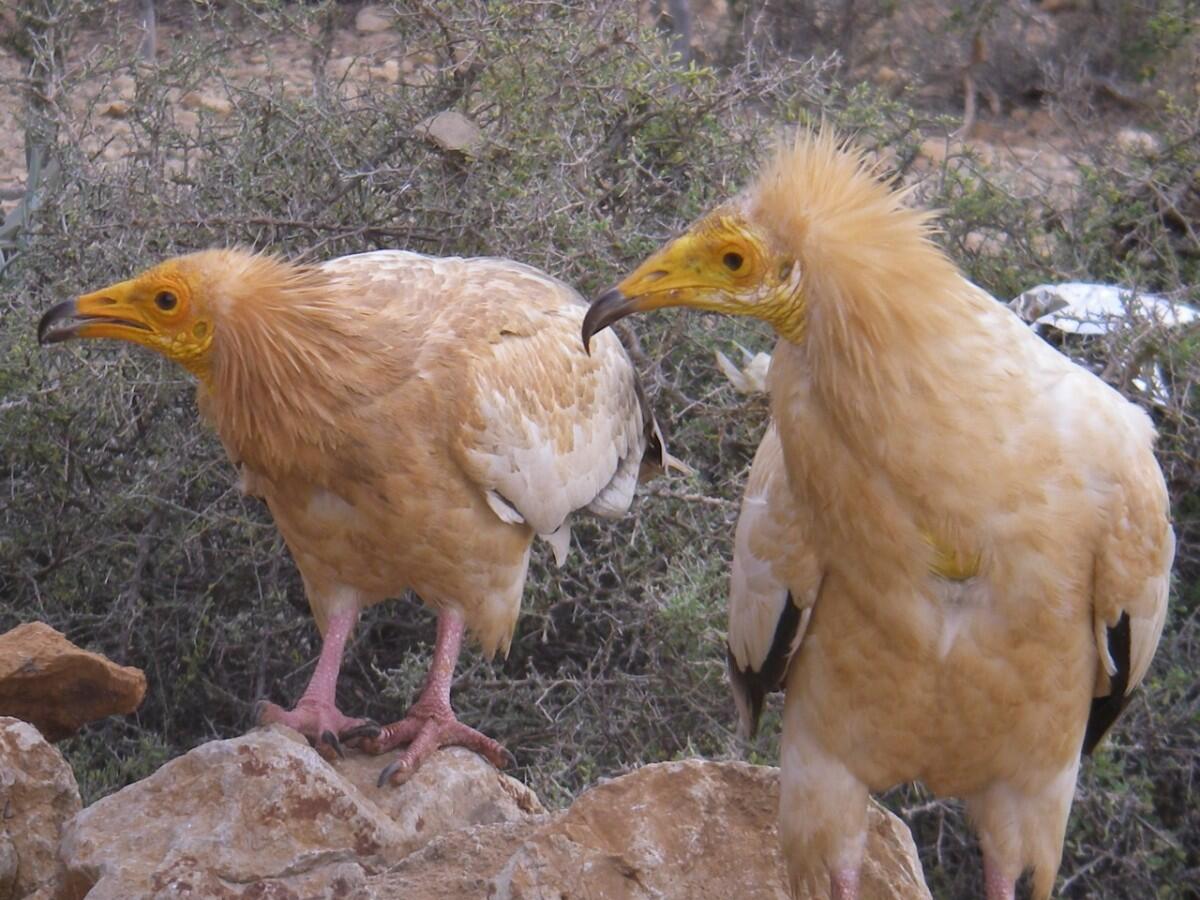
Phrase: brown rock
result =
(198, 100)
(265, 815)
(691, 829)
(115, 109)
(38, 795)
(48, 681)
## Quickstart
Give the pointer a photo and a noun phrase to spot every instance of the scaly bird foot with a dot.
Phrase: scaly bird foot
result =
(425, 732)
(325, 726)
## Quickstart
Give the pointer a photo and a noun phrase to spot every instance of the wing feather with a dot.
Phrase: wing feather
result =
(774, 583)
(541, 427)
(550, 428)
(1132, 582)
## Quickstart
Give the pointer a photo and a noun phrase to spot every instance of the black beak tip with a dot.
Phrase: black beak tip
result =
(605, 309)
(47, 330)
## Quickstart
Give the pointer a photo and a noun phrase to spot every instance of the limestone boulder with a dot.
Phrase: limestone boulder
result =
(264, 815)
(689, 830)
(454, 789)
(54, 685)
(38, 796)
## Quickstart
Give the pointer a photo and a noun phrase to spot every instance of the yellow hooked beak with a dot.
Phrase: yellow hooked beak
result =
(674, 276)
(103, 314)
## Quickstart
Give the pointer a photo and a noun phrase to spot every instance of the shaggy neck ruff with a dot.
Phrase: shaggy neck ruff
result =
(878, 296)
(290, 357)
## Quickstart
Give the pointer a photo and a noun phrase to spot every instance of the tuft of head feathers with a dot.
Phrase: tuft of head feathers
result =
(872, 274)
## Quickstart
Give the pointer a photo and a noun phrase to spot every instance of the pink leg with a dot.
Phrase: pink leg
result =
(844, 884)
(998, 885)
(316, 715)
(431, 722)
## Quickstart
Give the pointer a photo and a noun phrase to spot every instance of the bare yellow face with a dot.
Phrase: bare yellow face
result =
(721, 264)
(158, 309)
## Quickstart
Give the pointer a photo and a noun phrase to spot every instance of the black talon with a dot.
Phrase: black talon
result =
(332, 740)
(256, 711)
(388, 771)
(510, 761)
(368, 729)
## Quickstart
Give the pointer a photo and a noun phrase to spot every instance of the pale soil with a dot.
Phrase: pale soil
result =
(1029, 150)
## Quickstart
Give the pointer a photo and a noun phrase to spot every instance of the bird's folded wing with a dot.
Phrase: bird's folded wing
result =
(1132, 581)
(774, 583)
(551, 429)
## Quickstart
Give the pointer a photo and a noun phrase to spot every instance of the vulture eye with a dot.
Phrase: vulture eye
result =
(733, 261)
(165, 301)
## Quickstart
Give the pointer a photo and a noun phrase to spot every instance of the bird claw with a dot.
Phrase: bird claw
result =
(390, 771)
(368, 730)
(425, 736)
(327, 729)
(259, 710)
(331, 740)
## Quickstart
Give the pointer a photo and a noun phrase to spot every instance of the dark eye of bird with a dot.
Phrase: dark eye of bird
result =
(165, 301)
(733, 261)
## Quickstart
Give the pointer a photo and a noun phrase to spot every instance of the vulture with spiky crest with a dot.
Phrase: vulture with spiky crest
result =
(411, 422)
(955, 548)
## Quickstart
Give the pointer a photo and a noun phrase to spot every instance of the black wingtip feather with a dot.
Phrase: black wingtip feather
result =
(748, 696)
(751, 687)
(1106, 710)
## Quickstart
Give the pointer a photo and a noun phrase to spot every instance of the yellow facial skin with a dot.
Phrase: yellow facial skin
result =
(719, 265)
(157, 310)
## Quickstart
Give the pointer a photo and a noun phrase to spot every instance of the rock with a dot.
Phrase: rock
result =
(125, 86)
(1135, 141)
(691, 829)
(115, 109)
(389, 72)
(455, 788)
(265, 815)
(935, 150)
(198, 100)
(340, 67)
(48, 681)
(372, 20)
(452, 131)
(984, 243)
(38, 795)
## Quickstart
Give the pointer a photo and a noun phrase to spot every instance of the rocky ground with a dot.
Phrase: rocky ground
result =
(263, 815)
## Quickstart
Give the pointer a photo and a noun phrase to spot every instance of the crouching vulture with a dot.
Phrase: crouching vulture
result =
(954, 552)
(411, 422)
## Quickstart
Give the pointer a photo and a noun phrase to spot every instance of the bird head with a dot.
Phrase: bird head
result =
(166, 308)
(723, 263)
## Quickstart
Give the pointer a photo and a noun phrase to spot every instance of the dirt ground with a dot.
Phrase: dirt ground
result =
(1033, 150)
